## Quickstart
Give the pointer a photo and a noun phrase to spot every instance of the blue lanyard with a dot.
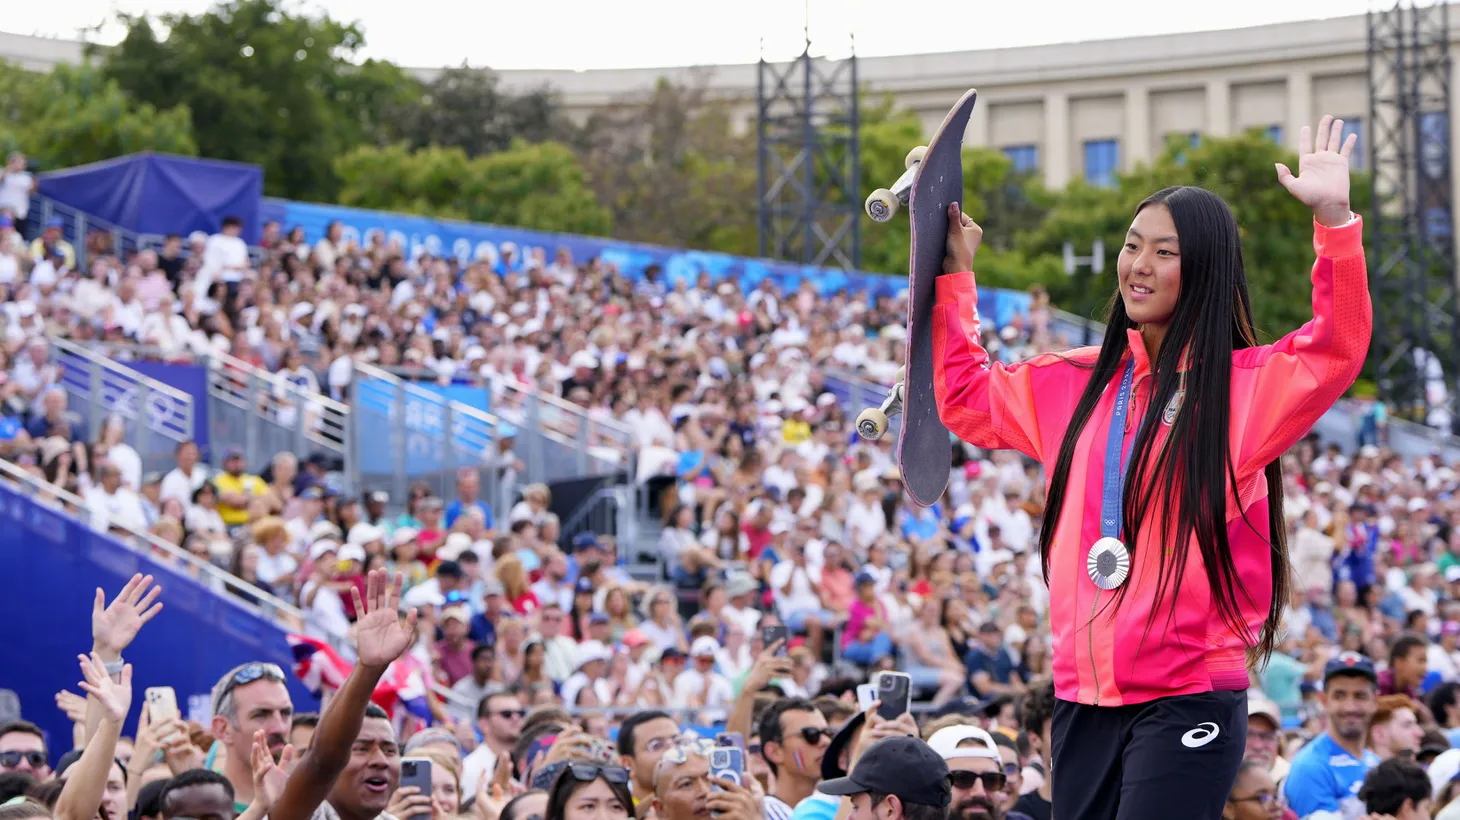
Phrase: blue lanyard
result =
(1111, 498)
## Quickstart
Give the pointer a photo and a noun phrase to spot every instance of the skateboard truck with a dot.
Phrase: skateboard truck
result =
(872, 422)
(883, 203)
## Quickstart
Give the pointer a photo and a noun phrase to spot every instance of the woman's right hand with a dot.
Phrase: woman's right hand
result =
(964, 236)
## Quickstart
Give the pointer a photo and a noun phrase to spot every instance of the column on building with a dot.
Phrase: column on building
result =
(1137, 148)
(1300, 103)
(1056, 139)
(1219, 108)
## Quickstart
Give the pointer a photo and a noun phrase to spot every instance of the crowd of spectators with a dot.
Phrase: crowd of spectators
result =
(774, 513)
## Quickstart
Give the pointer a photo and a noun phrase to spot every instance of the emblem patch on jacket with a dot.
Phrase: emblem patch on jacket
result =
(1168, 417)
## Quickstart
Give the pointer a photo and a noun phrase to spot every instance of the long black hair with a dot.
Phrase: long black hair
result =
(1187, 478)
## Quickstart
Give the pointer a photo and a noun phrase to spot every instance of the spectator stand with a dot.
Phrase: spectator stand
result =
(428, 435)
(156, 416)
(265, 413)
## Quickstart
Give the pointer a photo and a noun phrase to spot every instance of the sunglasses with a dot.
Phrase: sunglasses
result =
(246, 674)
(12, 759)
(586, 772)
(992, 781)
(511, 713)
(813, 734)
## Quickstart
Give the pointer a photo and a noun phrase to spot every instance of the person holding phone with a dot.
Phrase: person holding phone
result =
(1165, 549)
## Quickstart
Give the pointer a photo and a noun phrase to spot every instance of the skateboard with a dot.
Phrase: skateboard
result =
(933, 179)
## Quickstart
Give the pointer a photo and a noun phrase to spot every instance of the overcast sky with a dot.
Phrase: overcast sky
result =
(588, 34)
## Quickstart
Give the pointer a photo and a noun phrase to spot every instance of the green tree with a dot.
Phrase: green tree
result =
(264, 85)
(72, 116)
(1276, 229)
(466, 108)
(674, 170)
(528, 186)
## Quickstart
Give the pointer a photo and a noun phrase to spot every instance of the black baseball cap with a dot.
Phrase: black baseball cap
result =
(1350, 663)
(904, 766)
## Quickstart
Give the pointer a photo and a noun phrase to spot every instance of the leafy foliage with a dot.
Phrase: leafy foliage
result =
(531, 186)
(73, 116)
(264, 85)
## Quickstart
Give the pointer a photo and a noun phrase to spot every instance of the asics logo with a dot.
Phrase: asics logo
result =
(1203, 734)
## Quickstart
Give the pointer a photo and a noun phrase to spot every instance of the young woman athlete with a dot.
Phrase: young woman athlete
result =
(1163, 542)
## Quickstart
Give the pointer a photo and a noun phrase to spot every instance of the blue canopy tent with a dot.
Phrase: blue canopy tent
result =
(160, 193)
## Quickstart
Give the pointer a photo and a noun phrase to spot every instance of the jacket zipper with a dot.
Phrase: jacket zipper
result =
(1090, 630)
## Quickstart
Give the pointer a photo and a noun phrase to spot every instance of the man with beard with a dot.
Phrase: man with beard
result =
(976, 774)
(902, 774)
(354, 759)
(1326, 775)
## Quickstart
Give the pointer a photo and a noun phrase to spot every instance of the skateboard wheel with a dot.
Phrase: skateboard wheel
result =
(915, 156)
(871, 424)
(881, 205)
(901, 376)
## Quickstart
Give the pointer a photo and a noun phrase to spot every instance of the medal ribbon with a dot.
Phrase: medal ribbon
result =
(1112, 496)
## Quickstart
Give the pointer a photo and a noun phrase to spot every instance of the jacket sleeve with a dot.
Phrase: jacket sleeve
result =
(1280, 391)
(987, 404)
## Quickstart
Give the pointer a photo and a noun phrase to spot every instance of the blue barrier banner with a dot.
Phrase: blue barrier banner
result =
(198, 636)
(164, 413)
(465, 241)
(382, 413)
(190, 379)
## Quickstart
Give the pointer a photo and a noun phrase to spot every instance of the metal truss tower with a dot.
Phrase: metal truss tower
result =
(1416, 345)
(808, 157)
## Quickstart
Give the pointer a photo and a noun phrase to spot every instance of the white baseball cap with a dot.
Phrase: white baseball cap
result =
(953, 742)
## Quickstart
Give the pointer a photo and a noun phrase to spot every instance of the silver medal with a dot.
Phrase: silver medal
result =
(1108, 563)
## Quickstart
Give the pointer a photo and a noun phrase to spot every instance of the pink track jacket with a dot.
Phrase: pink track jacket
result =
(1278, 392)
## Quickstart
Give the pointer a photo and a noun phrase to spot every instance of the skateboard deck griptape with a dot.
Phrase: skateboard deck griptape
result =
(924, 446)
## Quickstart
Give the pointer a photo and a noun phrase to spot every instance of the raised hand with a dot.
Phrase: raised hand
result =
(767, 667)
(1322, 182)
(115, 697)
(269, 776)
(72, 704)
(380, 637)
(113, 627)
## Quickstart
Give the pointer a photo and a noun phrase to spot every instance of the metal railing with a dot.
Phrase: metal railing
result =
(157, 415)
(77, 227)
(270, 607)
(427, 438)
(573, 443)
(266, 413)
(608, 510)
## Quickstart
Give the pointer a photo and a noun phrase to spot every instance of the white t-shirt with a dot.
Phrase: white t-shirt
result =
(327, 612)
(225, 258)
(273, 567)
(691, 683)
(119, 509)
(180, 485)
(15, 189)
(802, 597)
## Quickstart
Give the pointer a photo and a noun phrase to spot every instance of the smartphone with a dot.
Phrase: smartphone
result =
(728, 762)
(771, 634)
(416, 771)
(866, 695)
(731, 739)
(161, 703)
(894, 689)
